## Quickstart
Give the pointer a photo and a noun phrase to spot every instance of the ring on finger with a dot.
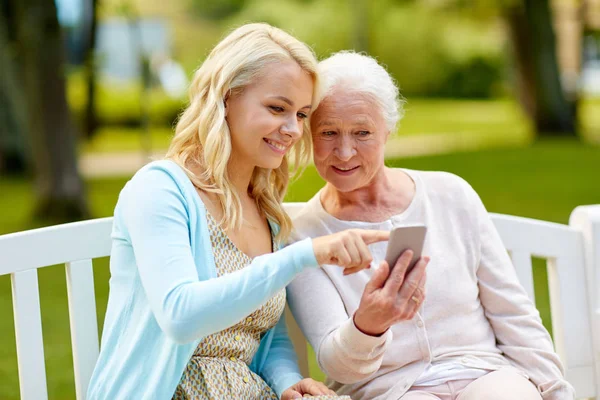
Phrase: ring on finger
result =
(415, 299)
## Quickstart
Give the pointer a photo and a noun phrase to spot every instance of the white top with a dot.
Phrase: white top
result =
(476, 315)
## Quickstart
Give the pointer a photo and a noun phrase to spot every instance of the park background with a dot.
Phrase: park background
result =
(505, 93)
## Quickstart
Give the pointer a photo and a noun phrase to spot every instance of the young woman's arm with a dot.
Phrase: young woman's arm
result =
(279, 365)
(154, 214)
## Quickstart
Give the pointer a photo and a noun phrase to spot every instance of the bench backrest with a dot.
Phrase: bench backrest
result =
(76, 244)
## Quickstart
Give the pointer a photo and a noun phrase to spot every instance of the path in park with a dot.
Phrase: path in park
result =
(95, 165)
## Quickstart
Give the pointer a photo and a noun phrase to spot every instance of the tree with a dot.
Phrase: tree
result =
(12, 102)
(360, 15)
(537, 74)
(51, 133)
(538, 80)
(90, 119)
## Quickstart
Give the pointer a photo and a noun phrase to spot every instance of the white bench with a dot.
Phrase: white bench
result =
(572, 252)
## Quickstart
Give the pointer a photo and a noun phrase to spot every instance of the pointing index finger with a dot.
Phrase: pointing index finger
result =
(374, 236)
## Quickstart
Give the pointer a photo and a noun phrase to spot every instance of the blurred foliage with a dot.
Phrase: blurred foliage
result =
(436, 53)
(434, 48)
(478, 77)
(192, 37)
(431, 50)
(324, 25)
(217, 9)
(119, 104)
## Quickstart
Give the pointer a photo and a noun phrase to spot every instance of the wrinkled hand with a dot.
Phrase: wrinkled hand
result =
(348, 248)
(389, 298)
(306, 386)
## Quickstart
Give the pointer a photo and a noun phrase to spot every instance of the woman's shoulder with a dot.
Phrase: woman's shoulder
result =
(156, 177)
(160, 172)
(159, 182)
(438, 178)
(446, 188)
(442, 181)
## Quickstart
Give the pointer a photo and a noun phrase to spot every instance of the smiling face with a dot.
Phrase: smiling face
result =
(266, 118)
(349, 135)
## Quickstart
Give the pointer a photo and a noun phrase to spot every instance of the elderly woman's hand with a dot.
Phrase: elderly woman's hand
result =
(389, 298)
(348, 248)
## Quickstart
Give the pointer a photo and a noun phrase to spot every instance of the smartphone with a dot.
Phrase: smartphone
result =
(403, 238)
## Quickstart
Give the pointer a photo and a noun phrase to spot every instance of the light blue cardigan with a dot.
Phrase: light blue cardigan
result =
(164, 296)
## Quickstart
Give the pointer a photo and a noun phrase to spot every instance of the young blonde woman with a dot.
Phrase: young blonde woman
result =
(198, 277)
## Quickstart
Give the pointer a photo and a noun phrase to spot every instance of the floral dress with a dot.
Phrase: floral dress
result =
(219, 368)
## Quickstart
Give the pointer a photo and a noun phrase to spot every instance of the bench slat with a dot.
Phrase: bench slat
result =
(570, 315)
(84, 326)
(538, 238)
(55, 245)
(28, 330)
(582, 379)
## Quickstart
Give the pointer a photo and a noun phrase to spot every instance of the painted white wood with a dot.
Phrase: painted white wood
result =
(538, 238)
(563, 247)
(522, 263)
(574, 275)
(55, 245)
(84, 326)
(582, 379)
(21, 254)
(28, 332)
(587, 220)
(571, 324)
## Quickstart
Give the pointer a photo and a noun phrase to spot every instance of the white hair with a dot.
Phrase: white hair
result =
(350, 71)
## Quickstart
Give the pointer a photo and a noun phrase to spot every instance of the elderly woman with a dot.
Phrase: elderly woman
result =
(473, 333)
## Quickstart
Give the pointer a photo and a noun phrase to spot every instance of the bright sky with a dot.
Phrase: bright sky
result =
(69, 11)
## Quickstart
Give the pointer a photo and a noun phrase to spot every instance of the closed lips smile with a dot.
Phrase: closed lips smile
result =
(281, 148)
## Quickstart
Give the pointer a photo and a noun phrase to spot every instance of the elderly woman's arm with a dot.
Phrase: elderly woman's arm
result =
(344, 353)
(514, 318)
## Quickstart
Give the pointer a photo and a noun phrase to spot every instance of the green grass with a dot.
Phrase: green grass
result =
(123, 140)
(488, 123)
(545, 181)
(498, 117)
(589, 119)
(485, 123)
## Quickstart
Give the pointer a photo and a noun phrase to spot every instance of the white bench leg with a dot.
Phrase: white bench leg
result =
(587, 220)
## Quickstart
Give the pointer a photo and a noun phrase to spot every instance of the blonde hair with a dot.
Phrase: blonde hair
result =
(202, 135)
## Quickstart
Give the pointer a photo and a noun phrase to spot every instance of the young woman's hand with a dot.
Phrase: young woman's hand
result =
(348, 248)
(306, 386)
